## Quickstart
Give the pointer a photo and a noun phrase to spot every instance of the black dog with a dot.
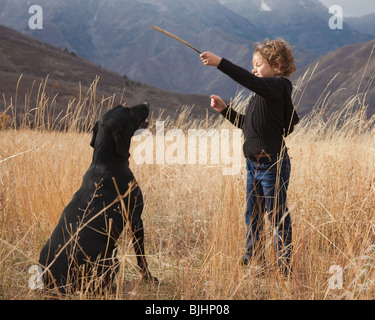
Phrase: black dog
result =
(83, 245)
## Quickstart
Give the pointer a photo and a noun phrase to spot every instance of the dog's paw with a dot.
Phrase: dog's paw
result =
(148, 278)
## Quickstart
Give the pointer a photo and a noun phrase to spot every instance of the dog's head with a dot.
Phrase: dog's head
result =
(112, 134)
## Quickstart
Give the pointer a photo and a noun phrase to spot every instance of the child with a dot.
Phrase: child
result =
(269, 117)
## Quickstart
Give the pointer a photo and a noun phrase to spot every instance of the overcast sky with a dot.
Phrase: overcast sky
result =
(353, 8)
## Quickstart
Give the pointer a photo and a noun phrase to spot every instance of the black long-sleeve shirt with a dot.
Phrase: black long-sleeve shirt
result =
(270, 115)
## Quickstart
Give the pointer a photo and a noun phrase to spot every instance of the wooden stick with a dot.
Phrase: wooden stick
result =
(18, 154)
(176, 38)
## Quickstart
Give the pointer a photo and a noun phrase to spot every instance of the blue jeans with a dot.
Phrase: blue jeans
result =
(267, 185)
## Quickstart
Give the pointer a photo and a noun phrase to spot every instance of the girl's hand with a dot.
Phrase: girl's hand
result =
(210, 59)
(217, 103)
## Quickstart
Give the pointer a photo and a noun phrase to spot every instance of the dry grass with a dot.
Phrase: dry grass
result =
(193, 215)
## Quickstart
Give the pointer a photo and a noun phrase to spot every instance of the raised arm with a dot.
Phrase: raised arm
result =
(269, 87)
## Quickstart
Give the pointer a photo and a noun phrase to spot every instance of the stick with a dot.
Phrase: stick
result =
(176, 38)
(18, 154)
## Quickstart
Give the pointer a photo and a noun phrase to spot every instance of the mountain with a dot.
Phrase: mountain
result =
(117, 34)
(339, 75)
(365, 24)
(304, 23)
(70, 74)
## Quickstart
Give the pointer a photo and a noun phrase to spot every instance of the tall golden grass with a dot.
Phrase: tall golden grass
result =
(193, 215)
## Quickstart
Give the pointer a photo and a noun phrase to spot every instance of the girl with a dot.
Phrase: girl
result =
(269, 117)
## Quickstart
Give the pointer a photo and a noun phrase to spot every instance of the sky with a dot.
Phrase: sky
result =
(352, 8)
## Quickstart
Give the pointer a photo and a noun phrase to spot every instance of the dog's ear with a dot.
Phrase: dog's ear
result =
(122, 144)
(94, 133)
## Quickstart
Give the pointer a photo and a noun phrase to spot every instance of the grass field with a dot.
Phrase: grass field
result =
(194, 215)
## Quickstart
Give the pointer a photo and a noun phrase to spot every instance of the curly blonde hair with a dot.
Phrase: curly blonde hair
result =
(278, 53)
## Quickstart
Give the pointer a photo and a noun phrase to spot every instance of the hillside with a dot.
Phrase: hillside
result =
(363, 24)
(35, 60)
(117, 34)
(348, 64)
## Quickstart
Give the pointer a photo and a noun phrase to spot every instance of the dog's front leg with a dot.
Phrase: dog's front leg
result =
(138, 243)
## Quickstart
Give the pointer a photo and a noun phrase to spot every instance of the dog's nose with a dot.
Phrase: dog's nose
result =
(147, 105)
